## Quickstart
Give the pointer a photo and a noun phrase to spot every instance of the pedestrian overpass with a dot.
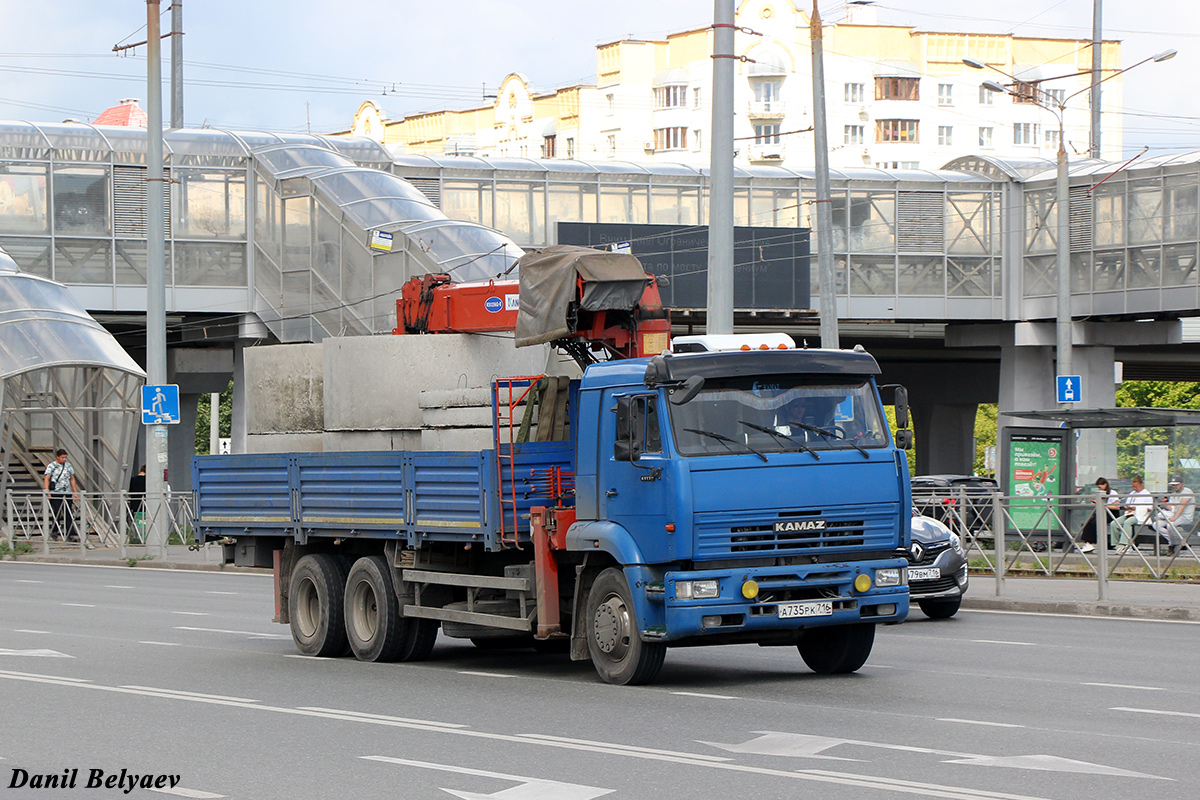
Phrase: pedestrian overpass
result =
(947, 275)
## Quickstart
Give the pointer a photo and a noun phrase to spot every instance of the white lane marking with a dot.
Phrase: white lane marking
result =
(1046, 763)
(21, 580)
(1126, 686)
(979, 722)
(610, 746)
(11, 673)
(179, 791)
(1086, 616)
(34, 653)
(191, 694)
(191, 613)
(220, 592)
(709, 696)
(381, 717)
(162, 644)
(819, 776)
(483, 674)
(117, 586)
(251, 634)
(27, 630)
(81, 605)
(1157, 711)
(1000, 641)
(310, 658)
(527, 788)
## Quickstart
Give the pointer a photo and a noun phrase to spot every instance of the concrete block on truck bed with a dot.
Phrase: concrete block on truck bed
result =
(284, 391)
(456, 398)
(478, 417)
(285, 443)
(371, 440)
(374, 382)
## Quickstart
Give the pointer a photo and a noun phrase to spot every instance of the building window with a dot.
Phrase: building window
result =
(897, 164)
(612, 106)
(766, 133)
(670, 97)
(853, 134)
(897, 88)
(1025, 133)
(670, 138)
(696, 140)
(895, 130)
(985, 138)
(945, 94)
(611, 140)
(570, 147)
(854, 92)
(548, 143)
(1057, 97)
(945, 133)
(767, 92)
(986, 96)
(696, 97)
(1023, 92)
(1052, 139)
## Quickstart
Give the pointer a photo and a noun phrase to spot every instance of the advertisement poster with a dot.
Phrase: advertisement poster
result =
(1035, 464)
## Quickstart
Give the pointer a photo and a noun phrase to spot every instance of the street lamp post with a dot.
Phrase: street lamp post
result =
(1062, 262)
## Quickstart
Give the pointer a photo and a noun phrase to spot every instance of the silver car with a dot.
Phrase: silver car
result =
(937, 568)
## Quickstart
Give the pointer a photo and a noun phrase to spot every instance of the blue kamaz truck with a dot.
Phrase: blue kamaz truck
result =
(696, 498)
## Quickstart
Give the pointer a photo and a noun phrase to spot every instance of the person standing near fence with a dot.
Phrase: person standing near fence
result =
(59, 483)
(137, 502)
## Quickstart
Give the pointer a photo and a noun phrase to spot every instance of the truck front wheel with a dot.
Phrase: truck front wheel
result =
(315, 605)
(374, 627)
(836, 649)
(618, 653)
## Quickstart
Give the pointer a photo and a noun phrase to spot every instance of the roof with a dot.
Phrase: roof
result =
(126, 114)
(1135, 417)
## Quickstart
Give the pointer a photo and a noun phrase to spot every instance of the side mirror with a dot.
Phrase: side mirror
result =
(901, 399)
(904, 439)
(686, 392)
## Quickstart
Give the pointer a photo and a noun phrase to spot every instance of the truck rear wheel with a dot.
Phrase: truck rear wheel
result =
(315, 605)
(618, 652)
(418, 643)
(836, 649)
(374, 627)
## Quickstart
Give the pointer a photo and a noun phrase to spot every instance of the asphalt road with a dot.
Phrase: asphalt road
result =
(168, 673)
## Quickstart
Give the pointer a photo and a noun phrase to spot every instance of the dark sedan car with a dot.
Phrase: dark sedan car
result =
(963, 502)
(937, 568)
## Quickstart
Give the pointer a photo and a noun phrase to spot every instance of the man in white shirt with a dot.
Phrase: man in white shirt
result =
(1177, 515)
(1139, 506)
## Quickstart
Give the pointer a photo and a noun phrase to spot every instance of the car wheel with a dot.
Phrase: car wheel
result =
(940, 609)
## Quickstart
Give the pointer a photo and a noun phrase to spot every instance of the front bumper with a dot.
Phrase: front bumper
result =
(730, 613)
(951, 583)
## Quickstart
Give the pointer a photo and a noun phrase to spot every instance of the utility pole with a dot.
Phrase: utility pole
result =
(177, 64)
(156, 284)
(720, 175)
(828, 307)
(1097, 63)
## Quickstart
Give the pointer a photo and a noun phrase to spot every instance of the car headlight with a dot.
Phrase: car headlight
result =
(956, 543)
(697, 590)
(892, 576)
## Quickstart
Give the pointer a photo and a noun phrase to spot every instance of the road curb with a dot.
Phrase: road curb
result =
(145, 563)
(1092, 609)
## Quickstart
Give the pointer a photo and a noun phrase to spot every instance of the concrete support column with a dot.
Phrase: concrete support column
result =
(237, 426)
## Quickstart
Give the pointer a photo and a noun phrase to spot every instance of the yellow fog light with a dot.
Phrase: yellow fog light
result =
(749, 590)
(862, 583)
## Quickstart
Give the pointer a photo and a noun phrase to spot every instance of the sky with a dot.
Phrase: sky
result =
(296, 65)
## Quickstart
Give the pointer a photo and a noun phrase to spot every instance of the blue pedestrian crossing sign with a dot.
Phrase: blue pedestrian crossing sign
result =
(160, 405)
(1070, 389)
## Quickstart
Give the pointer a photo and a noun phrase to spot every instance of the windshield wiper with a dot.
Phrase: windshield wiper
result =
(781, 435)
(725, 440)
(831, 435)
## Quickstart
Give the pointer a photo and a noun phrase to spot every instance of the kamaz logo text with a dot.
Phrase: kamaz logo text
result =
(800, 525)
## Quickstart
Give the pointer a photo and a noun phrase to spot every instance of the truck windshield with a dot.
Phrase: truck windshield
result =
(780, 413)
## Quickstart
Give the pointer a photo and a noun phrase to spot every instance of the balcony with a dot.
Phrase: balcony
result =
(770, 152)
(766, 109)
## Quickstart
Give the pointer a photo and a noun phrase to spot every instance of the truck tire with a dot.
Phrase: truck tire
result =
(315, 596)
(940, 609)
(374, 627)
(836, 649)
(618, 652)
(418, 643)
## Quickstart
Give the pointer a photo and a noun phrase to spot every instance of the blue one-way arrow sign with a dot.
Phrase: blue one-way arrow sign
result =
(1070, 389)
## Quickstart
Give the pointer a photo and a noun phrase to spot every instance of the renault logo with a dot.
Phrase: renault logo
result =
(917, 550)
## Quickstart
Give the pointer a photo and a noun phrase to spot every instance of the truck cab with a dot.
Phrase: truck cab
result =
(739, 497)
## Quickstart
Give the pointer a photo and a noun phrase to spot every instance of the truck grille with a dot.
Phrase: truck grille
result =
(739, 533)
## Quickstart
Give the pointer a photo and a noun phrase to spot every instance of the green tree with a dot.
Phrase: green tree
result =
(1132, 442)
(985, 433)
(203, 415)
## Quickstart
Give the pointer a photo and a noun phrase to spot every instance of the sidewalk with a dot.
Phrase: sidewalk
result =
(1134, 599)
